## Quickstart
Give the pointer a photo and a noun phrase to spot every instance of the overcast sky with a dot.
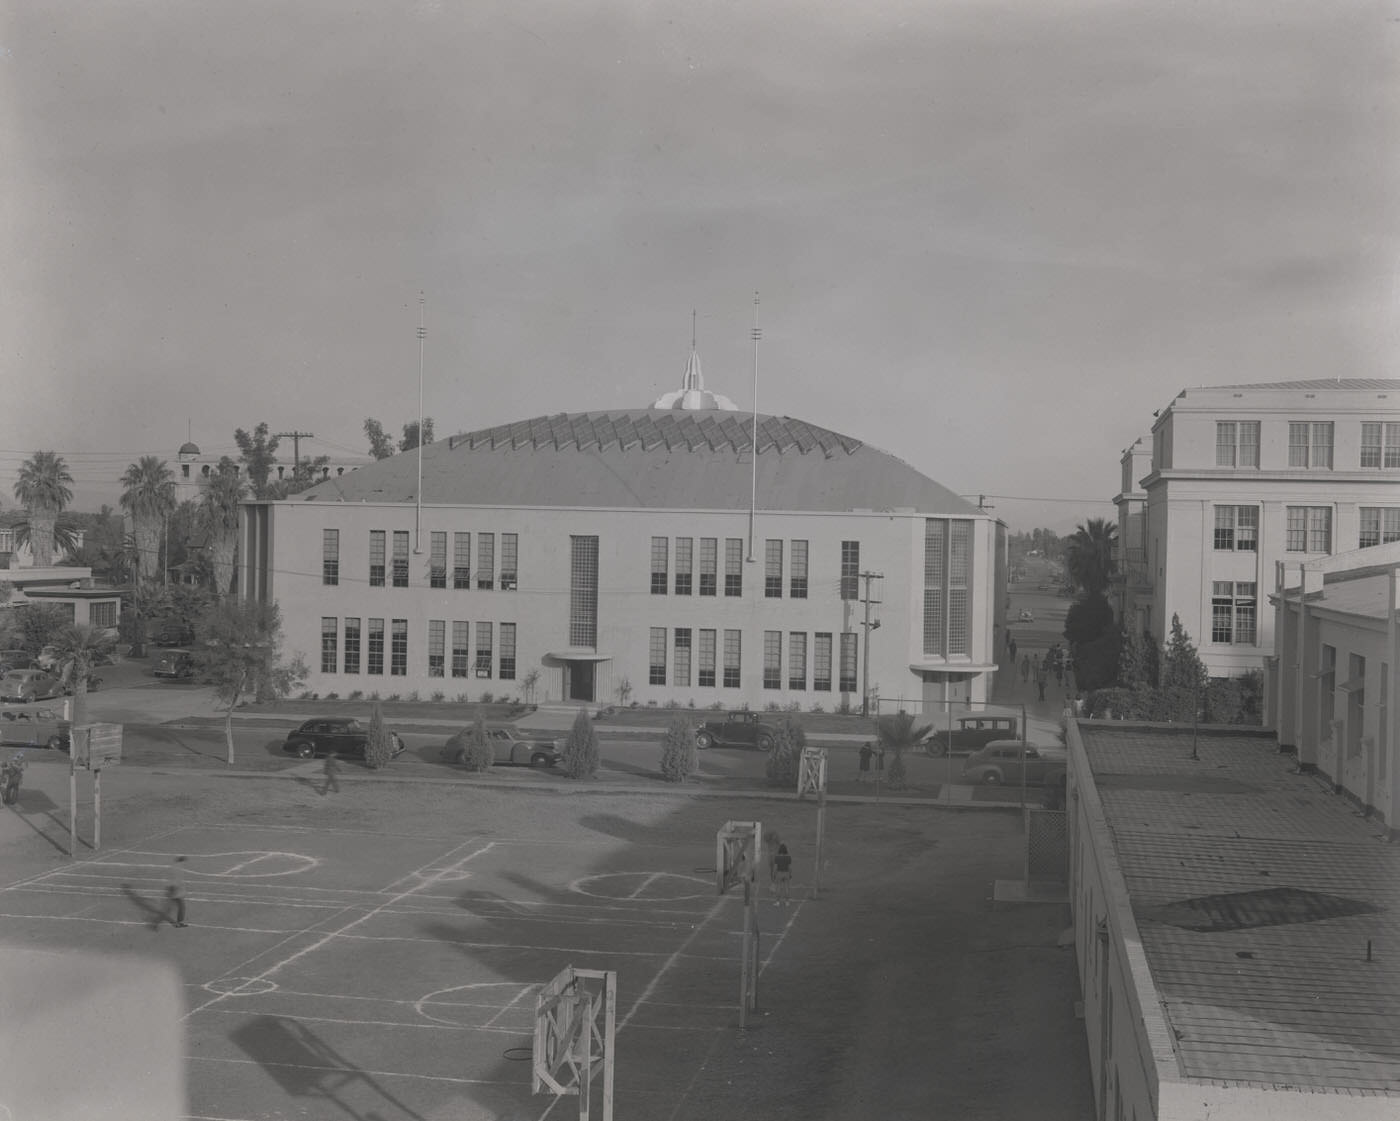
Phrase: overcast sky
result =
(989, 238)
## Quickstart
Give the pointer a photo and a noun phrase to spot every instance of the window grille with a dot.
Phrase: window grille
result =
(706, 671)
(485, 563)
(657, 657)
(483, 650)
(437, 560)
(709, 547)
(680, 669)
(329, 639)
(400, 558)
(685, 547)
(583, 591)
(659, 553)
(461, 648)
(376, 558)
(733, 641)
(376, 647)
(507, 656)
(821, 662)
(352, 645)
(733, 566)
(461, 561)
(797, 581)
(437, 641)
(330, 557)
(773, 569)
(510, 548)
(772, 659)
(797, 660)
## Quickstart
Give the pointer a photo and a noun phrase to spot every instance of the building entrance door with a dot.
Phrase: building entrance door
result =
(581, 676)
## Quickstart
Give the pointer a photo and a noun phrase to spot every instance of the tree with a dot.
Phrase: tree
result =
(238, 649)
(380, 445)
(785, 756)
(107, 548)
(64, 542)
(259, 455)
(218, 518)
(581, 756)
(38, 624)
(1089, 556)
(471, 747)
(42, 489)
(80, 648)
(1134, 663)
(1184, 676)
(410, 434)
(679, 757)
(898, 732)
(379, 747)
(148, 495)
(529, 683)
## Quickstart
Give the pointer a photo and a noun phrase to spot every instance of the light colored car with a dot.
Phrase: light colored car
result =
(1026, 617)
(48, 658)
(29, 685)
(1005, 761)
(511, 747)
(35, 727)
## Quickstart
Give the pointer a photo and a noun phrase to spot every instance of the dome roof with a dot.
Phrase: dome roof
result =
(692, 395)
(649, 459)
(189, 448)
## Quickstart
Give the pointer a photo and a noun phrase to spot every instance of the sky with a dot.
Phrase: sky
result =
(989, 238)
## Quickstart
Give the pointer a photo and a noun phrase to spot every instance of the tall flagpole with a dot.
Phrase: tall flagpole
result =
(753, 476)
(418, 492)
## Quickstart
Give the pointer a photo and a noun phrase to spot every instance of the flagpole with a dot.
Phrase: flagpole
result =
(418, 491)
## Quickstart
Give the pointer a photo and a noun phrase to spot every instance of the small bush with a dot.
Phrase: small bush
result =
(439, 697)
(690, 703)
(355, 695)
(413, 696)
(581, 748)
(817, 707)
(470, 748)
(332, 696)
(380, 748)
(785, 757)
(794, 706)
(673, 703)
(651, 704)
(487, 698)
(679, 757)
(773, 706)
(718, 706)
(374, 696)
(461, 699)
(393, 697)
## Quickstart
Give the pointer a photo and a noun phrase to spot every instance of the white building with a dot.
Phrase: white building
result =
(193, 467)
(1244, 476)
(641, 548)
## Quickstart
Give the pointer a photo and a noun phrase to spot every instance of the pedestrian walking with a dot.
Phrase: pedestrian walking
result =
(1026, 668)
(782, 876)
(1040, 683)
(866, 752)
(332, 772)
(176, 894)
(1013, 651)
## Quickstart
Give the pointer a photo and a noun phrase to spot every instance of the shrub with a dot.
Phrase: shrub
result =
(785, 756)
(461, 699)
(356, 694)
(487, 698)
(581, 748)
(772, 706)
(413, 696)
(718, 706)
(374, 696)
(679, 758)
(470, 747)
(393, 697)
(439, 697)
(794, 706)
(816, 707)
(380, 748)
(332, 696)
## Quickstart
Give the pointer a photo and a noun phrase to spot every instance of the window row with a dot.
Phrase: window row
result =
(697, 571)
(343, 642)
(1310, 443)
(717, 656)
(388, 557)
(1308, 528)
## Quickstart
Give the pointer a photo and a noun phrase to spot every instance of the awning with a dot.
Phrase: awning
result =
(1355, 685)
(576, 654)
(942, 670)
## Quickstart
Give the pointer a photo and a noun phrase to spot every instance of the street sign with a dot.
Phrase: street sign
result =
(95, 746)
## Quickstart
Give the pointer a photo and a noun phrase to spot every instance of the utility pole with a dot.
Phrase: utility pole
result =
(869, 625)
(296, 439)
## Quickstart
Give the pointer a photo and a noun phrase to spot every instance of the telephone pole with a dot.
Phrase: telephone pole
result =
(296, 439)
(869, 625)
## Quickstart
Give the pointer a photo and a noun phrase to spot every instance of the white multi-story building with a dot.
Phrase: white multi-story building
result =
(1244, 476)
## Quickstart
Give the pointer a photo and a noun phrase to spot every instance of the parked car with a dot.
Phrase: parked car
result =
(175, 665)
(1004, 761)
(333, 735)
(29, 685)
(47, 658)
(737, 729)
(1026, 617)
(15, 659)
(174, 634)
(511, 747)
(35, 727)
(971, 732)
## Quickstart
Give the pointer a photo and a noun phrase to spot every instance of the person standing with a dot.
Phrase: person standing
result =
(782, 876)
(332, 772)
(866, 751)
(176, 892)
(1013, 651)
(1025, 668)
(1040, 682)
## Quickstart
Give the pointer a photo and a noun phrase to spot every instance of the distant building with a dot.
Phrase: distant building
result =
(1244, 476)
(70, 590)
(615, 553)
(192, 468)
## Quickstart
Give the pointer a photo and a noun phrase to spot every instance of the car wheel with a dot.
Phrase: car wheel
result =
(936, 749)
(305, 751)
(704, 741)
(539, 760)
(765, 743)
(992, 778)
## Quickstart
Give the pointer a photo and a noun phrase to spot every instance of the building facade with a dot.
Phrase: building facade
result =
(639, 554)
(193, 468)
(1244, 476)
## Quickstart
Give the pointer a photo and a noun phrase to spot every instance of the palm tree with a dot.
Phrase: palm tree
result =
(80, 647)
(218, 517)
(898, 732)
(149, 497)
(42, 489)
(1089, 555)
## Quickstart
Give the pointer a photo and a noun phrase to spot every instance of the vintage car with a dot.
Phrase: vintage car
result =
(511, 747)
(333, 735)
(1010, 763)
(35, 727)
(30, 685)
(971, 732)
(737, 729)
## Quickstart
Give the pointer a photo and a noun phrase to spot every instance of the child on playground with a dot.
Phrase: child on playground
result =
(782, 875)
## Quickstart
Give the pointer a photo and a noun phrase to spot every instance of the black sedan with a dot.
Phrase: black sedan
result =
(333, 735)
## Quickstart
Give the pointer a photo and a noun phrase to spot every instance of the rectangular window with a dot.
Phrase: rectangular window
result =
(510, 548)
(376, 558)
(330, 557)
(848, 662)
(706, 670)
(583, 591)
(772, 659)
(935, 585)
(437, 644)
(797, 660)
(329, 638)
(733, 566)
(959, 578)
(400, 558)
(461, 648)
(483, 649)
(797, 571)
(1237, 443)
(352, 645)
(685, 548)
(821, 662)
(850, 569)
(659, 555)
(102, 615)
(507, 662)
(1237, 528)
(680, 671)
(1310, 443)
(485, 562)
(1327, 692)
(461, 560)
(375, 658)
(1355, 689)
(709, 547)
(1380, 444)
(437, 560)
(656, 657)
(1309, 529)
(1379, 525)
(773, 569)
(398, 648)
(733, 654)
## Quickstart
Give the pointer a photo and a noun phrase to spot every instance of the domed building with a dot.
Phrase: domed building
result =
(637, 554)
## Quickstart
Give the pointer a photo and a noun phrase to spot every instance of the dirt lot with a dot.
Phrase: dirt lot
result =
(373, 953)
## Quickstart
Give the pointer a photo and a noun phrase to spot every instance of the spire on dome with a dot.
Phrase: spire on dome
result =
(692, 394)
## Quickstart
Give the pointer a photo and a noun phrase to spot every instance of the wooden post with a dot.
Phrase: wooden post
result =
(72, 805)
(97, 808)
(744, 954)
(821, 834)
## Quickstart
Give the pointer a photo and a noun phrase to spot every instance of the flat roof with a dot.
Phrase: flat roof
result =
(1255, 891)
